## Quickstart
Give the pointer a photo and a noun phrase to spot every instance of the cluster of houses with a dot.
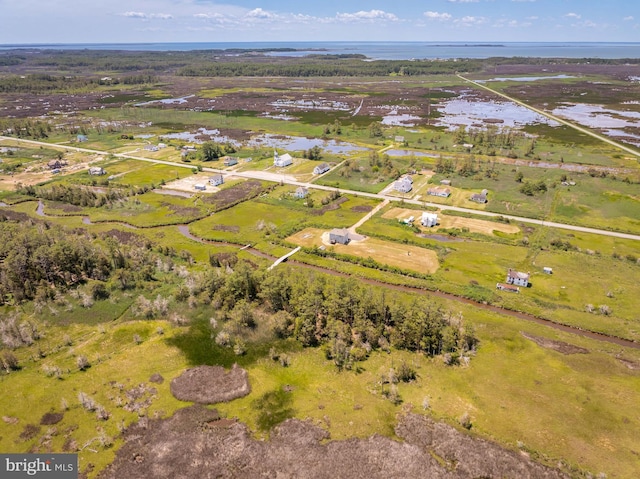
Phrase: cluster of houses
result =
(157, 147)
(514, 279)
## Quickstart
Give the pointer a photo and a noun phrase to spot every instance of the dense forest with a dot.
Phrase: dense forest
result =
(41, 263)
(230, 63)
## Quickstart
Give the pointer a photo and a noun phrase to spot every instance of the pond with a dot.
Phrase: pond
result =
(616, 123)
(298, 143)
(467, 111)
(167, 101)
(527, 79)
(394, 152)
(197, 136)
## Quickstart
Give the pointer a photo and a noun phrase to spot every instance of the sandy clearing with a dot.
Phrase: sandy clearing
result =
(445, 221)
(410, 257)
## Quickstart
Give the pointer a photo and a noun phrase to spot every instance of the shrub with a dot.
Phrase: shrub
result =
(406, 373)
(465, 421)
(83, 363)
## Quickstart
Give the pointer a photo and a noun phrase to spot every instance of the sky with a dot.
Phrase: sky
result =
(145, 21)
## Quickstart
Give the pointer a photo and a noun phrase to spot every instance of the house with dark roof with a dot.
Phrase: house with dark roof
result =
(479, 197)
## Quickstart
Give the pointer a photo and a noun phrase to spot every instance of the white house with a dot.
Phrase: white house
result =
(322, 168)
(438, 191)
(429, 219)
(216, 180)
(96, 170)
(301, 192)
(404, 184)
(282, 161)
(517, 278)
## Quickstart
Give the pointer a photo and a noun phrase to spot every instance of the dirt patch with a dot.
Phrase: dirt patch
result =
(211, 384)
(193, 443)
(408, 257)
(230, 196)
(560, 346)
(51, 418)
(156, 378)
(29, 432)
(633, 365)
(445, 221)
(230, 229)
(361, 208)
(124, 237)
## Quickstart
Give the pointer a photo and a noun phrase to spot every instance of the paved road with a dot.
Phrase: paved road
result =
(276, 177)
(555, 118)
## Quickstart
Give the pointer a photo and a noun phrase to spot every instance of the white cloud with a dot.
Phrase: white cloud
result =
(147, 16)
(438, 16)
(573, 15)
(468, 21)
(628, 19)
(134, 15)
(261, 14)
(369, 16)
(463, 1)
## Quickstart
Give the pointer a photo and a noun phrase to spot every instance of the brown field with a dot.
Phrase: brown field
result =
(474, 225)
(392, 254)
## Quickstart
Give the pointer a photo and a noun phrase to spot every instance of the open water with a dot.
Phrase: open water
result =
(383, 50)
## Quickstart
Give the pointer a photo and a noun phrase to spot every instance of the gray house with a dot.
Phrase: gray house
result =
(216, 180)
(339, 235)
(480, 197)
(322, 168)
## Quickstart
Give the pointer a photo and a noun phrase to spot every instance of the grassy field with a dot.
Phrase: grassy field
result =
(510, 389)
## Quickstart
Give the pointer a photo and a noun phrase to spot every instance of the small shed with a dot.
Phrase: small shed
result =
(445, 182)
(97, 171)
(547, 270)
(200, 187)
(507, 287)
(339, 235)
(230, 161)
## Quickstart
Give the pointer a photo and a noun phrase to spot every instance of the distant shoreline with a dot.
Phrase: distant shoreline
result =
(371, 50)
